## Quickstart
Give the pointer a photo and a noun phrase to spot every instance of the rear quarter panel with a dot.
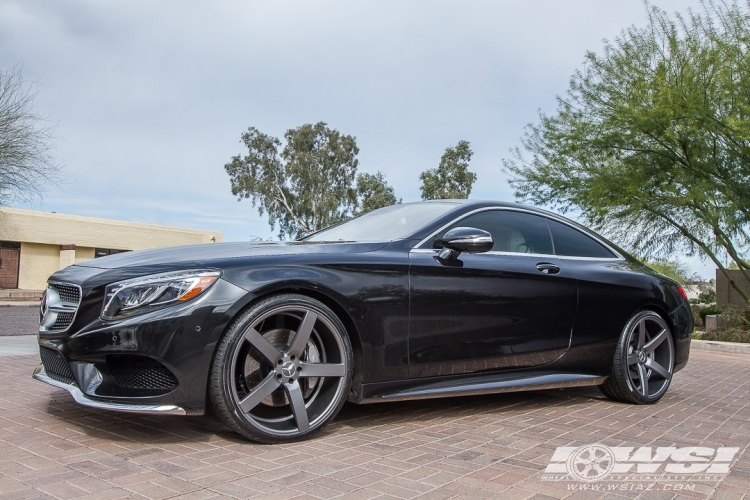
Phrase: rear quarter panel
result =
(609, 293)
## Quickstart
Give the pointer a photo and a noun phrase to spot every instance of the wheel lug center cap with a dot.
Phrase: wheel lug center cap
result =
(288, 369)
(642, 356)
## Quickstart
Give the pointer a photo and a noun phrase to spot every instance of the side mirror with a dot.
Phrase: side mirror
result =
(465, 239)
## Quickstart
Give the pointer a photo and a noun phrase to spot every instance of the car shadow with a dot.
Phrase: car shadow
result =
(166, 429)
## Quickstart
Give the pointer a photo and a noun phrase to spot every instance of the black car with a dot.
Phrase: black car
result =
(419, 300)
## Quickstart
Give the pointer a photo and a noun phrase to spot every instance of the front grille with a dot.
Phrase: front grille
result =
(63, 321)
(55, 364)
(63, 308)
(68, 293)
(139, 372)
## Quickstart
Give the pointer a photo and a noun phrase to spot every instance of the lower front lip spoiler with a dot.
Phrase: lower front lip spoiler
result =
(81, 398)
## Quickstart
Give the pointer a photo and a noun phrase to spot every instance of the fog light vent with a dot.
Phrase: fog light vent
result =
(55, 364)
(140, 372)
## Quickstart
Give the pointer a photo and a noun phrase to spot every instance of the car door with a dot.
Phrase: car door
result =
(508, 308)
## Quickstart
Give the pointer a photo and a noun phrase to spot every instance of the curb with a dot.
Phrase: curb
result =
(19, 303)
(716, 346)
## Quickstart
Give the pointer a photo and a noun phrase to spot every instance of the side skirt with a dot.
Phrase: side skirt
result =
(477, 385)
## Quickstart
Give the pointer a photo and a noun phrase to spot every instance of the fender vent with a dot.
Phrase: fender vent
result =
(140, 372)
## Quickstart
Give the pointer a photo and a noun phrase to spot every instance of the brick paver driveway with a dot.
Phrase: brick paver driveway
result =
(475, 447)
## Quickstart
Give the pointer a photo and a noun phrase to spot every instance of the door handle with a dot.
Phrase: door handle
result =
(547, 268)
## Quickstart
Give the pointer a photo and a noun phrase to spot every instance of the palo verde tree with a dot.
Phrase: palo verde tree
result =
(651, 143)
(452, 178)
(307, 185)
(27, 161)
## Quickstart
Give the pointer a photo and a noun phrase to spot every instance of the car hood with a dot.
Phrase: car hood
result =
(220, 251)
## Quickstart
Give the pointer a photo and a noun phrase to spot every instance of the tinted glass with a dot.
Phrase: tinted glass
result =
(385, 224)
(573, 243)
(511, 231)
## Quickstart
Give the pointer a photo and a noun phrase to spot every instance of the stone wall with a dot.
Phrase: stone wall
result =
(725, 292)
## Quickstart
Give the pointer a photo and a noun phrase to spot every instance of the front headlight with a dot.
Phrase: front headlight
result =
(157, 290)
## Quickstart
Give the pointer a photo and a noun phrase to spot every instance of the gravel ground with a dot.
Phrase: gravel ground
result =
(18, 321)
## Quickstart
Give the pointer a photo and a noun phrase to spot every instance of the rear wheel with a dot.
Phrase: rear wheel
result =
(643, 362)
(282, 370)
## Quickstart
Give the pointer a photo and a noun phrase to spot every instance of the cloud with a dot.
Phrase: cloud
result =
(153, 96)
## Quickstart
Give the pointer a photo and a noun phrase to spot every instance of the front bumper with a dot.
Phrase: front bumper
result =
(176, 342)
(81, 398)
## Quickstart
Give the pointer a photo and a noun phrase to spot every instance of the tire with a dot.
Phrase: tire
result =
(282, 370)
(645, 352)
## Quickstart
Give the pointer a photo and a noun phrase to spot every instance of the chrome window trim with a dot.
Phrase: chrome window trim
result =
(617, 254)
(75, 312)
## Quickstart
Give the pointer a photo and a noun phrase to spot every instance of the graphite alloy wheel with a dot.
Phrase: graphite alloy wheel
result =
(282, 370)
(644, 361)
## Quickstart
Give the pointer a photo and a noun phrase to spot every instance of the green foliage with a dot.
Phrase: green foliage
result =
(305, 187)
(373, 192)
(726, 335)
(452, 179)
(707, 296)
(735, 318)
(697, 320)
(671, 269)
(651, 144)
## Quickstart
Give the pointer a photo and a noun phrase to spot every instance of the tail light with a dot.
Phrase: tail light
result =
(681, 291)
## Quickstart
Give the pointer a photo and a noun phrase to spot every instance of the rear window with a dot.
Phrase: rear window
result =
(573, 243)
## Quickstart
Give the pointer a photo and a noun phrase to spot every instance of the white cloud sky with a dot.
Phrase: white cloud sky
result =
(152, 96)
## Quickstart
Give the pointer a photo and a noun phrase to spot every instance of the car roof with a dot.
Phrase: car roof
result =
(464, 204)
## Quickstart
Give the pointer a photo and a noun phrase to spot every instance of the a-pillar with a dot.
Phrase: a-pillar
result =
(67, 255)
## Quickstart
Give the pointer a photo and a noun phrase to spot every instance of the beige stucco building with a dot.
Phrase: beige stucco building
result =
(35, 244)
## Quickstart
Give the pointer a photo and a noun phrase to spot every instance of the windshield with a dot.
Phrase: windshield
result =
(385, 224)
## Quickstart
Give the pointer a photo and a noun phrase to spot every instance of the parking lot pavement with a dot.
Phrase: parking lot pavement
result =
(18, 320)
(473, 447)
(19, 345)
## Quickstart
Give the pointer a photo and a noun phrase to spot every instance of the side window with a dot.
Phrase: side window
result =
(573, 243)
(512, 231)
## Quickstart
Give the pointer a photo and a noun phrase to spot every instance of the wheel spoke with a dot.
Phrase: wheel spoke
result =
(641, 334)
(656, 341)
(261, 392)
(644, 379)
(303, 334)
(657, 368)
(632, 359)
(298, 406)
(322, 370)
(265, 347)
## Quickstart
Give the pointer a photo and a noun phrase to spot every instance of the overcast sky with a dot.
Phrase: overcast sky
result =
(151, 97)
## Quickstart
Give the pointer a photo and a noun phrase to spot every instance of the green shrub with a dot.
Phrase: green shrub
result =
(707, 297)
(697, 320)
(726, 335)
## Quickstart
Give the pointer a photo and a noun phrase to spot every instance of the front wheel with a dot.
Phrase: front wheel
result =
(282, 370)
(643, 362)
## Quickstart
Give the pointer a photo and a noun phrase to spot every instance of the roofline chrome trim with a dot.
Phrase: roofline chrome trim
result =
(513, 209)
(519, 254)
(81, 398)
